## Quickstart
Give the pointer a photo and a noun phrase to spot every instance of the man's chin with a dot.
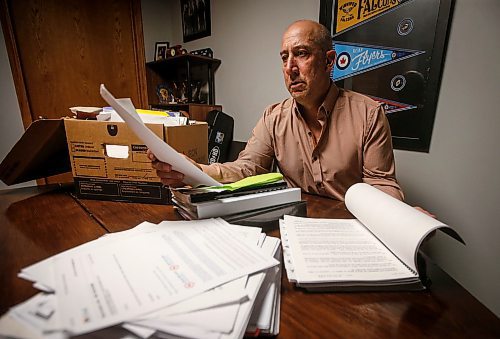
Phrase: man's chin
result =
(297, 95)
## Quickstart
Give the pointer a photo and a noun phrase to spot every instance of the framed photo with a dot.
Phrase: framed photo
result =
(195, 19)
(161, 50)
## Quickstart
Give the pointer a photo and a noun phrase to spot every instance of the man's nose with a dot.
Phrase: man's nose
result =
(291, 66)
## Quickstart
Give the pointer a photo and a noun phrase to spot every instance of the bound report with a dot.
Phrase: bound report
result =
(237, 204)
(376, 251)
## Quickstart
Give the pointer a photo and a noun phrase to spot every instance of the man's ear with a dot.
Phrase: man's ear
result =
(330, 58)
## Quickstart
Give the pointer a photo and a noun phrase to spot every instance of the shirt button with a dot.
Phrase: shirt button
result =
(315, 158)
(309, 133)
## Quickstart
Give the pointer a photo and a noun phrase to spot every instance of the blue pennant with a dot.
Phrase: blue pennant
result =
(353, 59)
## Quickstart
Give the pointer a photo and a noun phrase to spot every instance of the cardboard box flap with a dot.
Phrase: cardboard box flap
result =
(42, 151)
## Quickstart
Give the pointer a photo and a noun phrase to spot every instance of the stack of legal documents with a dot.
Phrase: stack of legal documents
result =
(188, 279)
(256, 193)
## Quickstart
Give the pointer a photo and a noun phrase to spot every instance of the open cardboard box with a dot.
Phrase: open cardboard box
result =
(107, 159)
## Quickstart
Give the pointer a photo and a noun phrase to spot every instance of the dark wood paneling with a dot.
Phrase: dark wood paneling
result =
(63, 50)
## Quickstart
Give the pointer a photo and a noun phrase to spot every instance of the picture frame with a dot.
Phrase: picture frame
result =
(161, 48)
(196, 21)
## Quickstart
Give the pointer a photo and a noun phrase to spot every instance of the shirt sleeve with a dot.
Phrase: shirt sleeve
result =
(256, 158)
(378, 165)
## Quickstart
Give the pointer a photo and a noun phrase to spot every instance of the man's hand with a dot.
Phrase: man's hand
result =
(164, 171)
(418, 208)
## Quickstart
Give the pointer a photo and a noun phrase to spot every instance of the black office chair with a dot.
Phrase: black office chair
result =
(235, 149)
(220, 135)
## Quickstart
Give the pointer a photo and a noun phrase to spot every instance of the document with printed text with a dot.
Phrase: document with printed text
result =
(378, 250)
(102, 286)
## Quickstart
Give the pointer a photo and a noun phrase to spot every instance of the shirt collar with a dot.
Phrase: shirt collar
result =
(328, 104)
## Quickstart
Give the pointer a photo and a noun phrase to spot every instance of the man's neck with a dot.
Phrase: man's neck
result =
(309, 108)
(310, 116)
(309, 111)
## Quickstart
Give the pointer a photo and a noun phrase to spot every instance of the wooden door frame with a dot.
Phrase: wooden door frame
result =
(17, 73)
(15, 64)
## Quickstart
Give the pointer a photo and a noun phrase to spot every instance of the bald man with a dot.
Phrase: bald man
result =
(323, 138)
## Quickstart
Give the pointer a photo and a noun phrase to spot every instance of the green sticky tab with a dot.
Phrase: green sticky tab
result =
(253, 181)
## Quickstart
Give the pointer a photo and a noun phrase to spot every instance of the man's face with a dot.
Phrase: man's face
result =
(305, 66)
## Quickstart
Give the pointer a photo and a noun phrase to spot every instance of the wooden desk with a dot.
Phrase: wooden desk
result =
(36, 223)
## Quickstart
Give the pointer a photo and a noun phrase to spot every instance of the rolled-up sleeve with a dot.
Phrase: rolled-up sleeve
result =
(378, 165)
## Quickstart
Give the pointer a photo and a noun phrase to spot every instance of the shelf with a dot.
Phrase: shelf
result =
(165, 65)
(184, 77)
(196, 111)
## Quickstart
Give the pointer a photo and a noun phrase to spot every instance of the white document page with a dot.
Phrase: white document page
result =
(400, 226)
(287, 255)
(42, 272)
(253, 286)
(250, 234)
(232, 292)
(12, 327)
(141, 332)
(267, 298)
(216, 319)
(170, 331)
(164, 152)
(136, 275)
(325, 250)
(38, 312)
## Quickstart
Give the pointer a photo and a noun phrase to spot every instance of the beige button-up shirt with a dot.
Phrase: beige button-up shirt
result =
(354, 146)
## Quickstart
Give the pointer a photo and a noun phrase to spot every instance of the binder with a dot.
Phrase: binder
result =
(194, 195)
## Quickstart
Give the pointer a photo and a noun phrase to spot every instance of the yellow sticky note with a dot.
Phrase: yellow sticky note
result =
(253, 181)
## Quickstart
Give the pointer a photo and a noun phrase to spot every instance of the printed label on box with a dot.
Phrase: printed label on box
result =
(139, 153)
(89, 167)
(118, 190)
(141, 191)
(84, 148)
(98, 188)
(117, 169)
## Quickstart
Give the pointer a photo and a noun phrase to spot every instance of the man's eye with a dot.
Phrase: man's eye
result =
(284, 57)
(301, 53)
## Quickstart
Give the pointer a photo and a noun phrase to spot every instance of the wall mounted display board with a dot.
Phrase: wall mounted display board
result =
(392, 51)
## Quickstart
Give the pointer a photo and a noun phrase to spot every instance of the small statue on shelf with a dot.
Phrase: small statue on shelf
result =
(175, 92)
(163, 93)
(195, 92)
(203, 95)
(183, 92)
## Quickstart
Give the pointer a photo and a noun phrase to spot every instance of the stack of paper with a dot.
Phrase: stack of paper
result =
(249, 194)
(187, 279)
(147, 116)
(237, 204)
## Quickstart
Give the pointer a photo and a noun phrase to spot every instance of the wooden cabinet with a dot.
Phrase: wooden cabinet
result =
(184, 82)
